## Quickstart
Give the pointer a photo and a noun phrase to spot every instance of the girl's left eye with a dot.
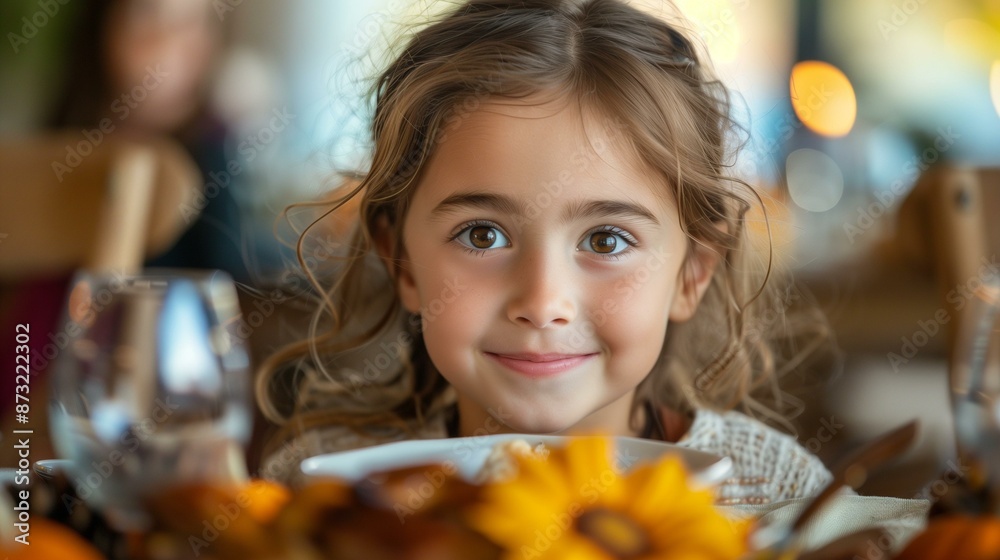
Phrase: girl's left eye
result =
(480, 237)
(607, 242)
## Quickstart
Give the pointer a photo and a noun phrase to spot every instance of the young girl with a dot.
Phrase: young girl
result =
(549, 242)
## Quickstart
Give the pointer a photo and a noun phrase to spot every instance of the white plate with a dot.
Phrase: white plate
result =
(468, 455)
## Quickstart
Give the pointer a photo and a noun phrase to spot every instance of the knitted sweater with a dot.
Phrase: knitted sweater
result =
(768, 466)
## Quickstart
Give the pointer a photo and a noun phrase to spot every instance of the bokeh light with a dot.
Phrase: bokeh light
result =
(815, 181)
(823, 98)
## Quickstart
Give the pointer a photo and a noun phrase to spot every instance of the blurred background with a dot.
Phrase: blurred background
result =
(898, 76)
(847, 106)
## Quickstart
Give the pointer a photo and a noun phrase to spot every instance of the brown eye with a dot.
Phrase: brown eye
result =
(603, 242)
(482, 237)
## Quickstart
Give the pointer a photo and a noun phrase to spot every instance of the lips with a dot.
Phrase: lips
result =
(540, 365)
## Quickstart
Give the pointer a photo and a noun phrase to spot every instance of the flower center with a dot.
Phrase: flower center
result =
(617, 534)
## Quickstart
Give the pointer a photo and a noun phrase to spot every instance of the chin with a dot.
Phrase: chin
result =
(530, 424)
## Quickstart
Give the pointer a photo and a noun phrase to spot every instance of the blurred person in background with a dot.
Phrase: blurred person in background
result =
(146, 64)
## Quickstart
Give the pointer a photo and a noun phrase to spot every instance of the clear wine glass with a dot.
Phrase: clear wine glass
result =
(152, 387)
(975, 389)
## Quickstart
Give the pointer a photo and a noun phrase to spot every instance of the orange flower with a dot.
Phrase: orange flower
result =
(577, 505)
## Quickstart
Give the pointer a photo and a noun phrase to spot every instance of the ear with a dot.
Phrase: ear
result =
(397, 264)
(693, 280)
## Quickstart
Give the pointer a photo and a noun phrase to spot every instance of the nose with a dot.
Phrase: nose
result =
(542, 292)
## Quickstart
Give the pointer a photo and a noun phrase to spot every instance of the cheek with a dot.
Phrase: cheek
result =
(449, 291)
(455, 301)
(632, 315)
(453, 324)
(637, 322)
(442, 340)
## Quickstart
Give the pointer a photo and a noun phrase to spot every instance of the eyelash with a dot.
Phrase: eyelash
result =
(628, 237)
(465, 227)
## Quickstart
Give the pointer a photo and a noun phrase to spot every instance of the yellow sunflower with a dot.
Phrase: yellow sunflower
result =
(576, 505)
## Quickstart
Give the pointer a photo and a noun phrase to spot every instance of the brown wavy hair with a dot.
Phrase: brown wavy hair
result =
(638, 71)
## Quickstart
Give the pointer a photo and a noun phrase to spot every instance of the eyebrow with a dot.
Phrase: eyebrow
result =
(610, 209)
(485, 201)
(506, 205)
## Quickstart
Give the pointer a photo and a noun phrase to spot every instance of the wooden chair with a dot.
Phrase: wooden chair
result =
(961, 240)
(125, 200)
(945, 225)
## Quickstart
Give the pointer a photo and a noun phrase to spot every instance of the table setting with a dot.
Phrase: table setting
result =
(151, 414)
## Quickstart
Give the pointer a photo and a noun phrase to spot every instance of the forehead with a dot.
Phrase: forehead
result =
(527, 144)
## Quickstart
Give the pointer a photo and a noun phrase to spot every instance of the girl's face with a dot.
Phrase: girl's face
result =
(544, 262)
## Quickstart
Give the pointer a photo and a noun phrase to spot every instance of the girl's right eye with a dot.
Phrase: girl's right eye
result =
(480, 237)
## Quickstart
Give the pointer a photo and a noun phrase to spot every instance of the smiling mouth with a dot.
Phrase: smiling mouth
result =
(540, 365)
